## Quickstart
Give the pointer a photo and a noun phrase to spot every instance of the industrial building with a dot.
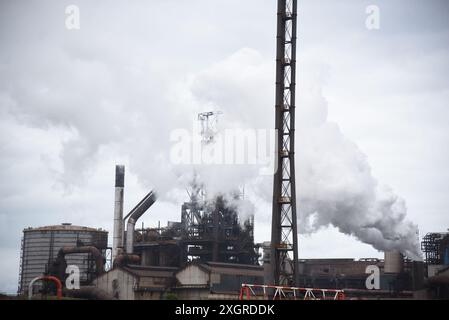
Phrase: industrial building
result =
(137, 282)
(435, 247)
(150, 263)
(209, 254)
(207, 232)
(395, 277)
(41, 246)
(215, 280)
(205, 255)
(212, 280)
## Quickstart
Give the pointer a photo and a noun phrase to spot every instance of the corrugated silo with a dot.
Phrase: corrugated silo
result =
(40, 247)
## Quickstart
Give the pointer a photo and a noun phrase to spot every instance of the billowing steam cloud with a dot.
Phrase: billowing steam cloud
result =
(335, 184)
(336, 188)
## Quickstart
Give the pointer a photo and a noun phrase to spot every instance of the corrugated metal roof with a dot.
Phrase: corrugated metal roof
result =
(327, 261)
(234, 265)
(141, 271)
(232, 268)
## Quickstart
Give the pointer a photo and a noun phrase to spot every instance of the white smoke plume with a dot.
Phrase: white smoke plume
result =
(336, 187)
(335, 184)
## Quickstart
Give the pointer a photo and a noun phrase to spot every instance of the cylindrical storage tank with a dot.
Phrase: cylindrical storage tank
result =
(394, 262)
(40, 246)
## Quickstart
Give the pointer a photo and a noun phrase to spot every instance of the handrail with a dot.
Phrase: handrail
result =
(280, 292)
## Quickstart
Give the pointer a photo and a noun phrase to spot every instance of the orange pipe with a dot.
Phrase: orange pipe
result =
(48, 278)
(58, 285)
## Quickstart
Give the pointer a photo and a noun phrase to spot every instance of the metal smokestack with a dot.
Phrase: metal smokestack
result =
(117, 242)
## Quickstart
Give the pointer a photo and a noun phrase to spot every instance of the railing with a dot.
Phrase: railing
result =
(288, 293)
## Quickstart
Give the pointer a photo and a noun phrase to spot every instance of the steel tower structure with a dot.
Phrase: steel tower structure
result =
(284, 236)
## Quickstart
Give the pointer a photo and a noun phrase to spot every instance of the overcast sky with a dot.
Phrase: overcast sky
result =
(372, 104)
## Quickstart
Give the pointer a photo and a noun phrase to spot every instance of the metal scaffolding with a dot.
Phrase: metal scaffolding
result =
(284, 256)
(209, 230)
(436, 248)
(213, 232)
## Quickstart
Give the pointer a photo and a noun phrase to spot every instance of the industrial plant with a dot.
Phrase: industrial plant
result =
(210, 252)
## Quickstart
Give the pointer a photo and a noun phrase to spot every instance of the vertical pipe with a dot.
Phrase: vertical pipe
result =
(130, 236)
(117, 243)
